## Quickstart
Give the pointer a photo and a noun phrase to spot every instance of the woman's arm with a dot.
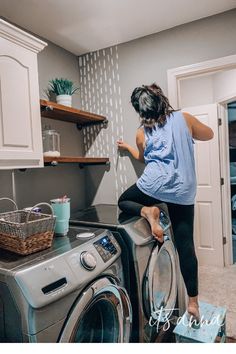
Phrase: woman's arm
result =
(198, 130)
(140, 141)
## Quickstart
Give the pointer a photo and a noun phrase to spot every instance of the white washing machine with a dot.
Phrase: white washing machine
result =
(156, 289)
(72, 292)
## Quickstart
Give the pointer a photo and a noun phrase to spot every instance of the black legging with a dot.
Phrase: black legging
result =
(181, 216)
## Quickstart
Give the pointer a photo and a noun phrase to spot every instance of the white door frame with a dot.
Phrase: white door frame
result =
(210, 66)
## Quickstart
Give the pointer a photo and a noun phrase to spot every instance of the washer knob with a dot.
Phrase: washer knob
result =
(88, 261)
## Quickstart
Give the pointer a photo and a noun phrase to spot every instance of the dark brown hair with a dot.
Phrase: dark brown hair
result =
(151, 104)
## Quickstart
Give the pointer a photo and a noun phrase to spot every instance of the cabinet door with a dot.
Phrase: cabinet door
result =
(20, 122)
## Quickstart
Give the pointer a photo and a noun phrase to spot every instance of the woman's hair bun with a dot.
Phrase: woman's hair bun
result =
(151, 104)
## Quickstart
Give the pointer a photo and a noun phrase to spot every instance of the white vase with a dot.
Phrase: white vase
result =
(64, 99)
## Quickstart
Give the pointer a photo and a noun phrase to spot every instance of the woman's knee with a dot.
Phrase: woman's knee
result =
(120, 203)
(128, 194)
(121, 200)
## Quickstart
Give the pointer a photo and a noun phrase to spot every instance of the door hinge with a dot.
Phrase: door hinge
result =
(219, 121)
(224, 241)
(222, 181)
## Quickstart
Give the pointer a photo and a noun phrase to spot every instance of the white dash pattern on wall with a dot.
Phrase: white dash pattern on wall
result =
(101, 94)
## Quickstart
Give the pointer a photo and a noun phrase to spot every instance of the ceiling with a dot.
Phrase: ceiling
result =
(82, 26)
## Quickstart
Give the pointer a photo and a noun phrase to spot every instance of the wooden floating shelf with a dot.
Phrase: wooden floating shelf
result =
(80, 160)
(68, 114)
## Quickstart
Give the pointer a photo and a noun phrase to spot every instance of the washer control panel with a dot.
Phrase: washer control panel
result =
(106, 247)
(45, 281)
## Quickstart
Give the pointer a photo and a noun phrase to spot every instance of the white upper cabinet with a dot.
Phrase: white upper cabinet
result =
(20, 121)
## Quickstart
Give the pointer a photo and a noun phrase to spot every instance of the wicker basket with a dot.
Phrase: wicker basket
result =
(25, 232)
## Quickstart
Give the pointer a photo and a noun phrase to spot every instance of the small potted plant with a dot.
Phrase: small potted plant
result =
(63, 89)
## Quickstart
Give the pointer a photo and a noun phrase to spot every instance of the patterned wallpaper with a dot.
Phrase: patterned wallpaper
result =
(101, 94)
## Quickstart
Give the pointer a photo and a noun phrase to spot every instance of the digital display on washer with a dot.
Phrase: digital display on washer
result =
(105, 248)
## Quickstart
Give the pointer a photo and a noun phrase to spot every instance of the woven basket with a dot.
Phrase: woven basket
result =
(25, 232)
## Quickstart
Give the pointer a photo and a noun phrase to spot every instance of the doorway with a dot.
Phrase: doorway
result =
(199, 89)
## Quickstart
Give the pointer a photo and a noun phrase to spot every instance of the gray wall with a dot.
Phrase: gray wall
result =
(144, 61)
(35, 185)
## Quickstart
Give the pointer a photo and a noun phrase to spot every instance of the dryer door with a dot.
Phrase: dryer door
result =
(102, 314)
(160, 285)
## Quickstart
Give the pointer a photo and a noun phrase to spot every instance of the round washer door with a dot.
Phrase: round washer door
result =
(102, 314)
(160, 285)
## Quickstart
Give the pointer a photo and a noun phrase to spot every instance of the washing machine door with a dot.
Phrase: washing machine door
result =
(160, 285)
(102, 314)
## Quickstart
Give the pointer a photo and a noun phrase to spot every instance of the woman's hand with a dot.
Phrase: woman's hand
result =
(122, 145)
(137, 154)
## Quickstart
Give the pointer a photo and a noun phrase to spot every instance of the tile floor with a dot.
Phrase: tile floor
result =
(217, 286)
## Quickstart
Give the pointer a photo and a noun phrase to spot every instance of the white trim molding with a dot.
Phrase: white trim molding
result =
(20, 37)
(209, 66)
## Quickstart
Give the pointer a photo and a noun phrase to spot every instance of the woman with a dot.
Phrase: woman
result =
(165, 143)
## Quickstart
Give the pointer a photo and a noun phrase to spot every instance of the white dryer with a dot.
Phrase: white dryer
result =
(72, 292)
(157, 291)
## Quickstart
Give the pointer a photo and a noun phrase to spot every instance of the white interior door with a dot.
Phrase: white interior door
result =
(208, 227)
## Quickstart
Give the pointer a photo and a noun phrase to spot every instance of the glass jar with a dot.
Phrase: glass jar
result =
(51, 143)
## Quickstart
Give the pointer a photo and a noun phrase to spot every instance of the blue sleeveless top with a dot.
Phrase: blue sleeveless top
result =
(169, 175)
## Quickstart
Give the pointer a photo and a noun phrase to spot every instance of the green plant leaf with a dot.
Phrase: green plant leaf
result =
(62, 86)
